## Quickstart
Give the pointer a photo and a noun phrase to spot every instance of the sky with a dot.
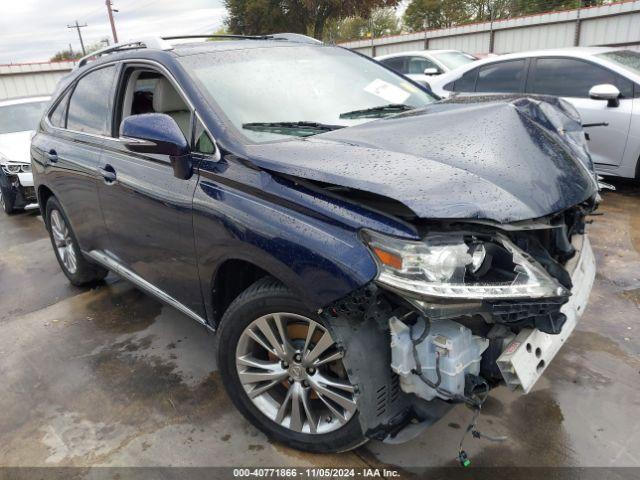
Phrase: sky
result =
(34, 30)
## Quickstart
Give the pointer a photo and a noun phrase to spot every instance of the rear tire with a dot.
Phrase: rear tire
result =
(267, 299)
(75, 266)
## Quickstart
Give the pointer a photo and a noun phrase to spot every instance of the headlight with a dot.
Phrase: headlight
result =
(460, 266)
(14, 168)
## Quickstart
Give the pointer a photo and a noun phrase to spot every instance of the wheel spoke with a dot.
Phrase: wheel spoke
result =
(267, 331)
(260, 390)
(311, 420)
(260, 342)
(310, 331)
(348, 404)
(331, 358)
(255, 377)
(284, 407)
(341, 418)
(249, 361)
(288, 349)
(296, 421)
(327, 382)
(325, 342)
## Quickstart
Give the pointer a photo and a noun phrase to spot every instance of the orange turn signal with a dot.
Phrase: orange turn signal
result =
(388, 259)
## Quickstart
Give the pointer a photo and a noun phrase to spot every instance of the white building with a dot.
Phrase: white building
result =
(31, 79)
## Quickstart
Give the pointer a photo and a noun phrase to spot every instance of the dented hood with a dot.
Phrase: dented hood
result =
(503, 160)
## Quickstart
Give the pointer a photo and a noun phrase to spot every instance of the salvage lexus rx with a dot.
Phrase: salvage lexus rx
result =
(368, 256)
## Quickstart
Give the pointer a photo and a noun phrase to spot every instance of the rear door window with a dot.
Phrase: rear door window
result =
(502, 77)
(466, 83)
(90, 104)
(568, 77)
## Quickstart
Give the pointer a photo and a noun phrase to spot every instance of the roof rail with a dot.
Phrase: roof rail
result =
(162, 43)
(147, 42)
(295, 37)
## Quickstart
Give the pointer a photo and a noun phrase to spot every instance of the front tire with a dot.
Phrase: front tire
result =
(283, 370)
(78, 269)
(7, 201)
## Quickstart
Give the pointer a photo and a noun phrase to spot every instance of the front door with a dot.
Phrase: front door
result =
(147, 210)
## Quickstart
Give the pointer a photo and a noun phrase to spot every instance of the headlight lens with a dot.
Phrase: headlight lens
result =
(458, 266)
(14, 168)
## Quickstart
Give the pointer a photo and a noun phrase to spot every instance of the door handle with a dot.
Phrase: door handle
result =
(108, 173)
(52, 156)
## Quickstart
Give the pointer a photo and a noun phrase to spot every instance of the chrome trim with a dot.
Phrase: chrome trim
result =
(117, 268)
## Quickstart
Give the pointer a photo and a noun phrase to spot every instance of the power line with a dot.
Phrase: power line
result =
(78, 27)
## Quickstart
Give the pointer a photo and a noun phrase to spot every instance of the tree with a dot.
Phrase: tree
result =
(68, 55)
(435, 14)
(254, 17)
(383, 21)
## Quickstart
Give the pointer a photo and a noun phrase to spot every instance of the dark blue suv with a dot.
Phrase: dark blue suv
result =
(369, 256)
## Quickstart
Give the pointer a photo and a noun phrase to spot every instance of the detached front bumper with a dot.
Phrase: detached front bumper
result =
(529, 354)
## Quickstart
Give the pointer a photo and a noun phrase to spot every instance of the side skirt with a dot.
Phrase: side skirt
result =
(117, 268)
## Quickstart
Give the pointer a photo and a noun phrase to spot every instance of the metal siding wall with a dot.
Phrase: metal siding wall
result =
(604, 31)
(526, 33)
(534, 38)
(470, 43)
(398, 47)
(41, 83)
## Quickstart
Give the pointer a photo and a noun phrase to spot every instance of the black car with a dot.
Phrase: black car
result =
(369, 256)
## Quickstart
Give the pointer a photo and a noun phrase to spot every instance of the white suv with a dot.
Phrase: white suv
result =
(602, 83)
(18, 120)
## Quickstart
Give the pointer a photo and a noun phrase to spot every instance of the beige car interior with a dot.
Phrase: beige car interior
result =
(150, 92)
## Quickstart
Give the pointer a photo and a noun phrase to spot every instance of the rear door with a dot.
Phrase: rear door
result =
(148, 211)
(572, 78)
(70, 150)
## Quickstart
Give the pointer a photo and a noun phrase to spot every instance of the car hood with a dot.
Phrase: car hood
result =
(15, 147)
(503, 160)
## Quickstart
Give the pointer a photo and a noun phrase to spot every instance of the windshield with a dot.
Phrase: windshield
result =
(624, 58)
(453, 60)
(21, 117)
(296, 84)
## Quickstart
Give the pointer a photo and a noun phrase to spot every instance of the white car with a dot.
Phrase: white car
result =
(602, 83)
(423, 65)
(18, 120)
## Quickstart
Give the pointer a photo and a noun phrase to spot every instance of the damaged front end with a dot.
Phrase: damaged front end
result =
(472, 305)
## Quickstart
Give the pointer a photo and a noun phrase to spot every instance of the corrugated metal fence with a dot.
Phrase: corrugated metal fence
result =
(613, 24)
(31, 79)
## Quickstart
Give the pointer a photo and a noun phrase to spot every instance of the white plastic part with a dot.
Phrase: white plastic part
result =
(460, 354)
(529, 354)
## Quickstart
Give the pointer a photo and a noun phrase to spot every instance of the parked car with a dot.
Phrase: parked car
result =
(18, 120)
(602, 83)
(423, 65)
(369, 257)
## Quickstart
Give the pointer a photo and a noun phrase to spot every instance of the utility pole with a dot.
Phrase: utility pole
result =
(492, 33)
(425, 24)
(78, 27)
(110, 11)
(576, 35)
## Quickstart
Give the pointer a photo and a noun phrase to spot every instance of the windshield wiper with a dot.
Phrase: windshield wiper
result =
(377, 112)
(301, 129)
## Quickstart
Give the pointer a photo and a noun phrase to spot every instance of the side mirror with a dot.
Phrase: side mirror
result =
(432, 71)
(157, 133)
(607, 92)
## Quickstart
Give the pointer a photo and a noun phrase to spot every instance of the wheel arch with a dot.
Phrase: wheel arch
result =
(44, 193)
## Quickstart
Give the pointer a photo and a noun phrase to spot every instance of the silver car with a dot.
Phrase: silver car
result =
(602, 83)
(425, 64)
(19, 118)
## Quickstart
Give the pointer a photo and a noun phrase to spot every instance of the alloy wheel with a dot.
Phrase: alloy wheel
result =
(292, 370)
(63, 242)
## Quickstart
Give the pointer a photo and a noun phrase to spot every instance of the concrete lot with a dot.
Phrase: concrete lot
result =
(110, 376)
